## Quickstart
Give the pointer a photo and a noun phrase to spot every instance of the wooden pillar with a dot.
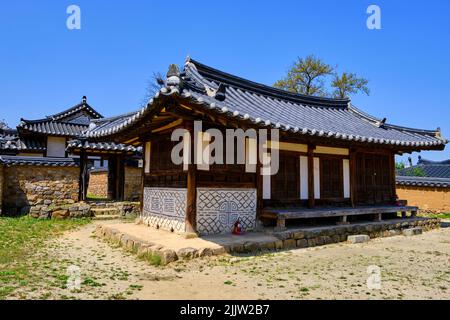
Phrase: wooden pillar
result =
(353, 178)
(84, 177)
(311, 196)
(191, 199)
(259, 189)
(393, 178)
(120, 181)
(112, 177)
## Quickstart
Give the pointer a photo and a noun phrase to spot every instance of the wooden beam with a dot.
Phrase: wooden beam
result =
(311, 197)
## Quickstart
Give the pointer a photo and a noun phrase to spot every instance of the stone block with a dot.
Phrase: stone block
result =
(289, 243)
(168, 256)
(302, 243)
(298, 235)
(60, 214)
(187, 253)
(359, 238)
(412, 231)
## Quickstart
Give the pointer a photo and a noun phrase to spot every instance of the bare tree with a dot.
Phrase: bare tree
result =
(153, 86)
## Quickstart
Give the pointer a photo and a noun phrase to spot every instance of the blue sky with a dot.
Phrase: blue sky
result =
(44, 67)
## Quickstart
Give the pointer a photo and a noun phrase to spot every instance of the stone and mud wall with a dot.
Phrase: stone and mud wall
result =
(38, 188)
(429, 199)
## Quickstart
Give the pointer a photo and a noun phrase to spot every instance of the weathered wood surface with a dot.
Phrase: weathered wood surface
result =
(302, 213)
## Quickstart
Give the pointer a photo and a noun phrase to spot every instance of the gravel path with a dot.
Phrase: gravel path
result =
(411, 268)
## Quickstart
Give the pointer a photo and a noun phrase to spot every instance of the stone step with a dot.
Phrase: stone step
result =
(107, 217)
(104, 211)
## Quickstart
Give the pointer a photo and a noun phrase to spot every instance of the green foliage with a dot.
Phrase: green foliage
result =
(306, 76)
(348, 83)
(309, 76)
(400, 165)
(415, 172)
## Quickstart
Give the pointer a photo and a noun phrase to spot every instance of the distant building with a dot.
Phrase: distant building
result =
(426, 185)
(39, 152)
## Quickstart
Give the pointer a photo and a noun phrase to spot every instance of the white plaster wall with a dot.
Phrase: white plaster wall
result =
(304, 178)
(346, 171)
(316, 178)
(56, 147)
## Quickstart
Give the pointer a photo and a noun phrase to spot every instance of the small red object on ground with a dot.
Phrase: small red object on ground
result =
(237, 229)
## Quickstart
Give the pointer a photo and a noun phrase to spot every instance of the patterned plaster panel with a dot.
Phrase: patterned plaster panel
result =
(219, 209)
(165, 208)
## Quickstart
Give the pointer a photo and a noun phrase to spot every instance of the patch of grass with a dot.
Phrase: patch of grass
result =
(439, 216)
(91, 283)
(228, 282)
(91, 196)
(19, 239)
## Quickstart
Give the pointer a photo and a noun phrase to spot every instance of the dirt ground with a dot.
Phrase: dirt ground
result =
(411, 268)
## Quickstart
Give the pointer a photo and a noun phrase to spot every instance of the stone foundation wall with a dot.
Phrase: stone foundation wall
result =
(426, 198)
(98, 184)
(317, 236)
(25, 187)
(133, 184)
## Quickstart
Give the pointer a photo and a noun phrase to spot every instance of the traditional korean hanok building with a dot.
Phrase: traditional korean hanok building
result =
(40, 156)
(53, 132)
(334, 160)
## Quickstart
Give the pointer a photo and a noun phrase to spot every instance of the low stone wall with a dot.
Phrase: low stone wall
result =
(316, 236)
(124, 207)
(25, 187)
(61, 211)
(82, 209)
(98, 184)
(290, 239)
(133, 184)
(426, 198)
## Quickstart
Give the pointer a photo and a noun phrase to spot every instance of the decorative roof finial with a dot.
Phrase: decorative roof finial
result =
(220, 93)
(438, 132)
(381, 123)
(84, 99)
(173, 76)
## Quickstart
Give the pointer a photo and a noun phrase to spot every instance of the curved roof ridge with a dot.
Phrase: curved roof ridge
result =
(78, 107)
(229, 79)
(374, 119)
(123, 115)
(423, 161)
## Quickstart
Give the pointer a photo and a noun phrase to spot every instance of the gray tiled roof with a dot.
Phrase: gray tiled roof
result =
(423, 181)
(436, 169)
(265, 106)
(71, 122)
(54, 128)
(23, 145)
(102, 146)
(37, 161)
